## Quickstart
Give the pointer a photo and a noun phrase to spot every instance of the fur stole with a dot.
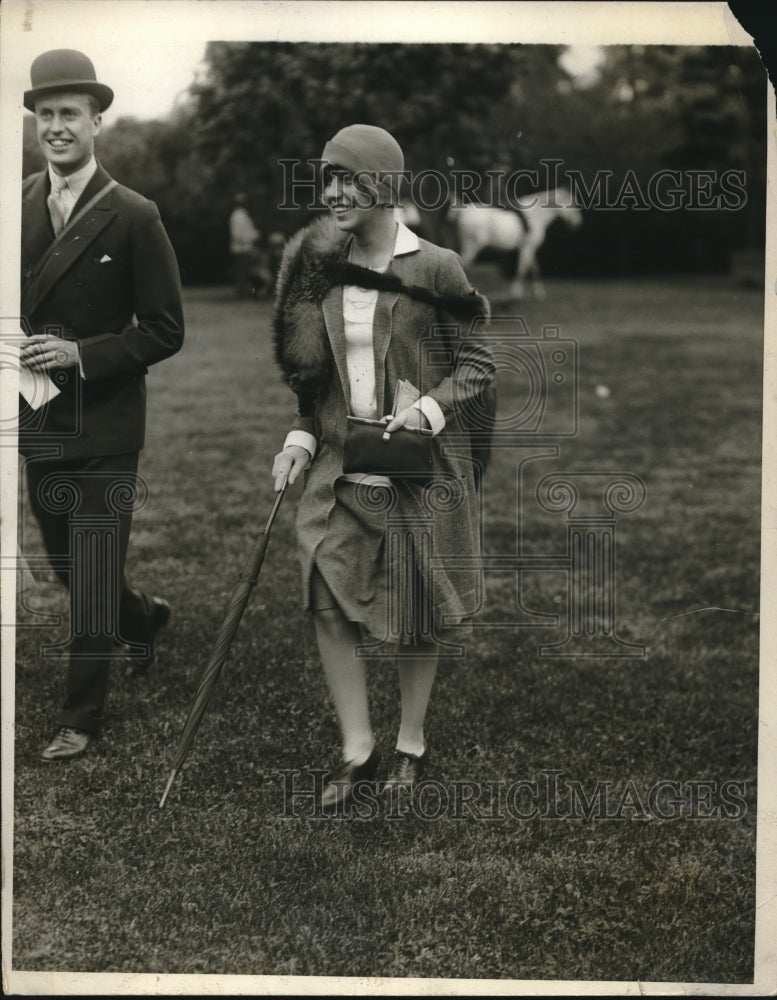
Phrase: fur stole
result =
(313, 263)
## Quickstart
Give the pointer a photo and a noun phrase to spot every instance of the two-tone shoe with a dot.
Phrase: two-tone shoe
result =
(405, 772)
(406, 769)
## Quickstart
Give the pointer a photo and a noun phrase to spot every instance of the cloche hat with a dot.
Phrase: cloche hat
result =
(370, 149)
(65, 70)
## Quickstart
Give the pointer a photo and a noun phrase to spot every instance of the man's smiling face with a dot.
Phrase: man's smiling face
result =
(67, 125)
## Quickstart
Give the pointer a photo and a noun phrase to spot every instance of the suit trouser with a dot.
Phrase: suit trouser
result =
(84, 509)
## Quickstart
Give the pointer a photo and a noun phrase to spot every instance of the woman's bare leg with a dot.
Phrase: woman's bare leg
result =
(416, 677)
(347, 679)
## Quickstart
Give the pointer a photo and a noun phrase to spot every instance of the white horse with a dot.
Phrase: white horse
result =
(480, 226)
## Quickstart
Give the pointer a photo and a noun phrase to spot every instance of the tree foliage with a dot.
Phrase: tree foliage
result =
(457, 107)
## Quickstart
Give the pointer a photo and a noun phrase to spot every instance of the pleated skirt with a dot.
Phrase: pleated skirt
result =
(375, 573)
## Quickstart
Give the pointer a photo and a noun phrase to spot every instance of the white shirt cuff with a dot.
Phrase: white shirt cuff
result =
(303, 439)
(431, 410)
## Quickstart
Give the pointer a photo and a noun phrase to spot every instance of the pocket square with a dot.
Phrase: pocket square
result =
(105, 259)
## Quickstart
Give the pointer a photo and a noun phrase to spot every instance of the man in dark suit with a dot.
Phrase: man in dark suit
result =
(101, 301)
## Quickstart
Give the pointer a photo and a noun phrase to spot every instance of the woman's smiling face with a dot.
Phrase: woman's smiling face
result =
(351, 198)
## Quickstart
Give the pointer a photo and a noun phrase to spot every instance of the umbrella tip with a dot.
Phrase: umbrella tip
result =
(170, 781)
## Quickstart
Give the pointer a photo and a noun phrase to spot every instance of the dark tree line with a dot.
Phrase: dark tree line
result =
(505, 108)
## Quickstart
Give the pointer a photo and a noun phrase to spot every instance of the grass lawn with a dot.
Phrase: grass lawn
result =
(224, 880)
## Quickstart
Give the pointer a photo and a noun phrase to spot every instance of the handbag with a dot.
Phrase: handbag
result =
(407, 454)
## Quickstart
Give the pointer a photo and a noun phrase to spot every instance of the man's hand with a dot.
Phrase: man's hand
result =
(410, 417)
(289, 463)
(45, 353)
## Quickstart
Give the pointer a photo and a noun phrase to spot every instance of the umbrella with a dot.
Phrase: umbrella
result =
(210, 674)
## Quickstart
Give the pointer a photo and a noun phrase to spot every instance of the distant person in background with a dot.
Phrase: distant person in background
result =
(101, 302)
(243, 235)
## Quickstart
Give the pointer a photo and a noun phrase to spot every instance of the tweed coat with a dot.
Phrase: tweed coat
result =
(453, 368)
(113, 285)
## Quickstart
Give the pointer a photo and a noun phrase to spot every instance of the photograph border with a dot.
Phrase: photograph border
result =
(28, 25)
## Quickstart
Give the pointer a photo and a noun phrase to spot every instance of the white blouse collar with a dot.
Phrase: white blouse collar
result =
(406, 240)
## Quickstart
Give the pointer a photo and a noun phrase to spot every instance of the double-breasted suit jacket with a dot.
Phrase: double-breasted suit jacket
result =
(112, 283)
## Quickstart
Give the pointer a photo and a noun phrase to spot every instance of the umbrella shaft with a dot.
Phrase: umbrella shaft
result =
(170, 781)
(210, 674)
(274, 511)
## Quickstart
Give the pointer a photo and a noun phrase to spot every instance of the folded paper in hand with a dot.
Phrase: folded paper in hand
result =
(36, 387)
(405, 394)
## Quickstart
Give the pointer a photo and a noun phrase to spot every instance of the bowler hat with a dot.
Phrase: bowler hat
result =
(65, 70)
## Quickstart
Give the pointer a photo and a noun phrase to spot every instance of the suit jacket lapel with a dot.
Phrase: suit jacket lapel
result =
(335, 328)
(37, 233)
(73, 245)
(402, 267)
(381, 335)
(98, 180)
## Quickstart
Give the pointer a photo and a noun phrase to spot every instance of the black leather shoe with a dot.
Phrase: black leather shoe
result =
(67, 744)
(160, 616)
(406, 769)
(339, 784)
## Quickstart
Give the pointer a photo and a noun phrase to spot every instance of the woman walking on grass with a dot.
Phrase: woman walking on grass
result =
(358, 293)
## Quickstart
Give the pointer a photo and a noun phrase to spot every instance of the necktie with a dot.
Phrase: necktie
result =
(58, 206)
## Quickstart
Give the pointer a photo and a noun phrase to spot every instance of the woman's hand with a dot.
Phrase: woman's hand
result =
(411, 417)
(288, 464)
